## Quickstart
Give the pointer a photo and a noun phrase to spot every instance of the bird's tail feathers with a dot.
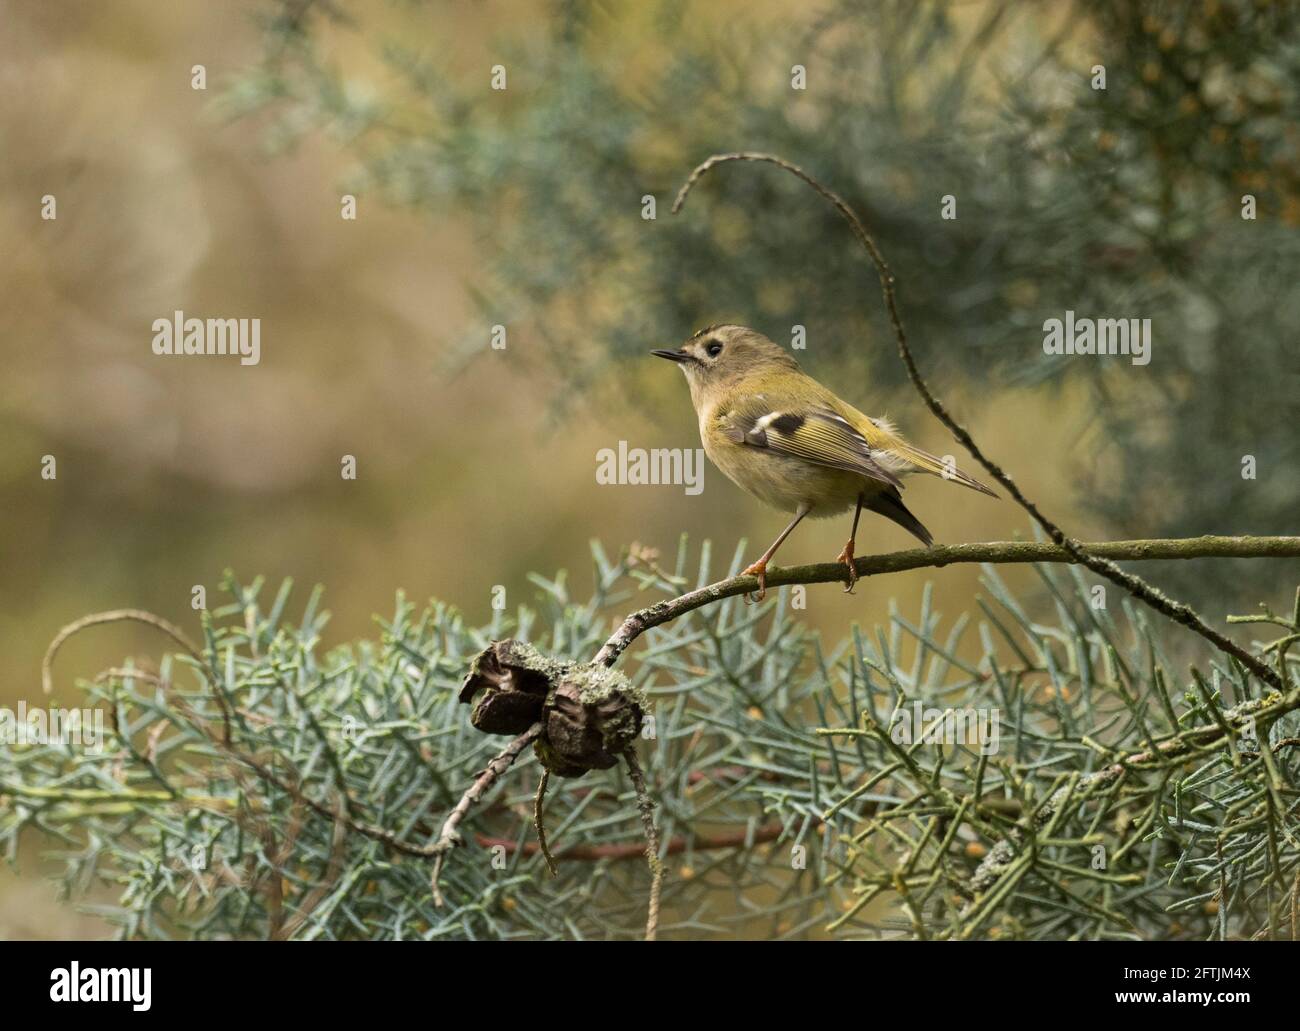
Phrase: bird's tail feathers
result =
(925, 462)
(889, 504)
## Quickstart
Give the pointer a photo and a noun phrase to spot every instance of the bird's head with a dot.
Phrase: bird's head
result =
(724, 354)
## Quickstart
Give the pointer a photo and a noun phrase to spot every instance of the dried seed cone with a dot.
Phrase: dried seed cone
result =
(511, 680)
(587, 728)
(590, 714)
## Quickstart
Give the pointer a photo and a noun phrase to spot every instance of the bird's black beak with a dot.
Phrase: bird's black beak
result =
(674, 356)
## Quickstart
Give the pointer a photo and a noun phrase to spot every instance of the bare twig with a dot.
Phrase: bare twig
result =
(994, 553)
(116, 616)
(617, 851)
(540, 823)
(450, 836)
(149, 619)
(1078, 552)
(1295, 907)
(646, 806)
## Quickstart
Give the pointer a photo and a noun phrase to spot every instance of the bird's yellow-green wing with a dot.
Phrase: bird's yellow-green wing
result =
(814, 432)
(891, 449)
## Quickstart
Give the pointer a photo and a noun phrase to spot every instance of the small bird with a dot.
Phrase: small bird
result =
(783, 437)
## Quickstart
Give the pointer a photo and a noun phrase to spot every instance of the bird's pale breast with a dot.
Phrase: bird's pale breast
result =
(783, 481)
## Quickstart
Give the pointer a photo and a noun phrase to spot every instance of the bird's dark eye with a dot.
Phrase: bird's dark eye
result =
(713, 349)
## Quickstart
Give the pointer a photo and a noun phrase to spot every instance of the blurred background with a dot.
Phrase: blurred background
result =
(523, 207)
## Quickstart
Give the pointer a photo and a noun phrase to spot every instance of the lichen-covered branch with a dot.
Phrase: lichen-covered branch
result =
(994, 553)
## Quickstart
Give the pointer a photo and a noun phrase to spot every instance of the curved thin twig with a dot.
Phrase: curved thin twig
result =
(115, 616)
(1178, 611)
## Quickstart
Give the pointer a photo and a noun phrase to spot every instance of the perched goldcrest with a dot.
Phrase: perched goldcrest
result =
(783, 437)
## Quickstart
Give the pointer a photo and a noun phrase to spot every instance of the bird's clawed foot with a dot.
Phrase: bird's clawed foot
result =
(846, 556)
(758, 569)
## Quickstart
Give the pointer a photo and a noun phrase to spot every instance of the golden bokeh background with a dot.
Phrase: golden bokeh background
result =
(171, 470)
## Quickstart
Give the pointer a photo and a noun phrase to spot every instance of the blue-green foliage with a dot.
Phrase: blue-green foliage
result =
(789, 804)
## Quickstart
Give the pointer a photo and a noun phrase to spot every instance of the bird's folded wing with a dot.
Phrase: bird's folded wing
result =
(894, 450)
(817, 435)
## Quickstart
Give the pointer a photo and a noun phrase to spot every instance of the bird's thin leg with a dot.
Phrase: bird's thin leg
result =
(759, 568)
(846, 556)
